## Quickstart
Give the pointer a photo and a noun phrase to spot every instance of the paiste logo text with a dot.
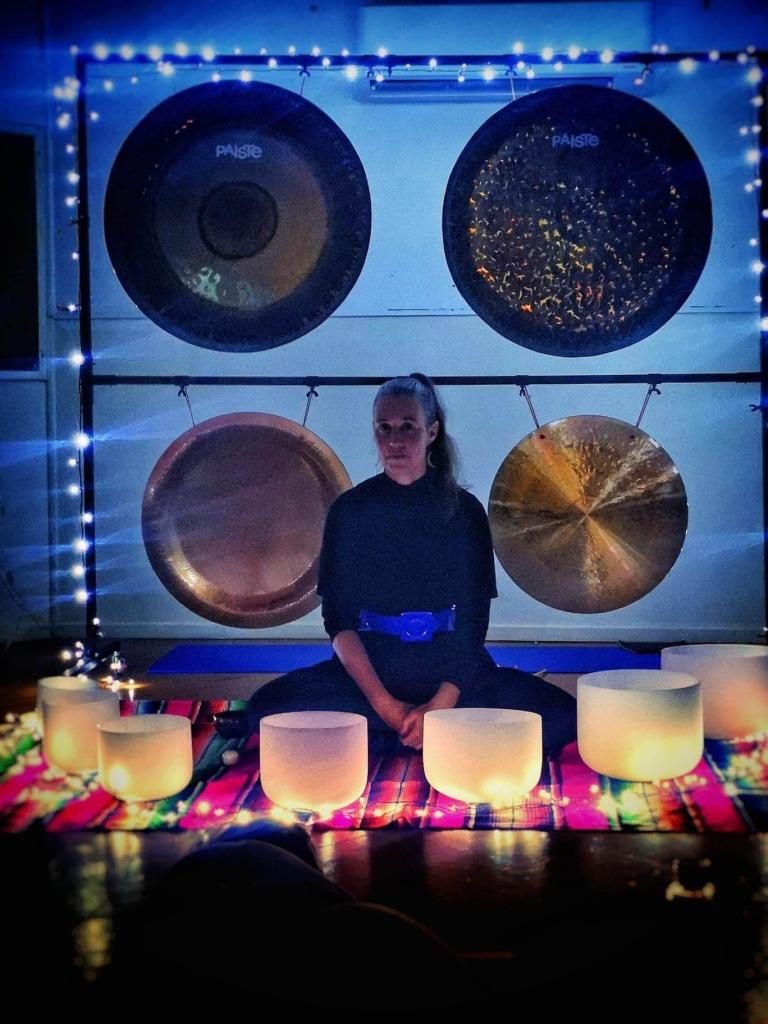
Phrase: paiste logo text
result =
(245, 151)
(575, 141)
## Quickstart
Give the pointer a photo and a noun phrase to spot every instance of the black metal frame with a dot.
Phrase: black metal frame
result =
(88, 380)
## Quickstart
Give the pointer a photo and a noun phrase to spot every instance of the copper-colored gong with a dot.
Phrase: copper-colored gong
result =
(588, 514)
(577, 220)
(233, 517)
(237, 215)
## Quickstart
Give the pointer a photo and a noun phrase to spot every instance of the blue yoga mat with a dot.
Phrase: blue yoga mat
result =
(208, 659)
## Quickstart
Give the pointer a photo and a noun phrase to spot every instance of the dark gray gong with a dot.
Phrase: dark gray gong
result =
(237, 215)
(577, 220)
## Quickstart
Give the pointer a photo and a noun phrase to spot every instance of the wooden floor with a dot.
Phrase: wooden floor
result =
(588, 921)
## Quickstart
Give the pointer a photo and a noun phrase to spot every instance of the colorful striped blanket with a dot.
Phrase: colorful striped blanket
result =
(726, 792)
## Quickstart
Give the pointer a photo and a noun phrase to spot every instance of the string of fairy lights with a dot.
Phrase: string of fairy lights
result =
(130, 64)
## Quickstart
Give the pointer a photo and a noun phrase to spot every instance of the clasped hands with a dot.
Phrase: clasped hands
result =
(408, 719)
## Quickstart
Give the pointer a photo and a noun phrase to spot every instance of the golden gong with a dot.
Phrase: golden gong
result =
(233, 517)
(588, 514)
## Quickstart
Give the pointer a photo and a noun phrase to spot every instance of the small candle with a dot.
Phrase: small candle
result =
(72, 709)
(313, 760)
(483, 755)
(145, 757)
(734, 685)
(639, 725)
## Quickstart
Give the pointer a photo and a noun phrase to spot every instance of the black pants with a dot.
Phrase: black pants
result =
(328, 687)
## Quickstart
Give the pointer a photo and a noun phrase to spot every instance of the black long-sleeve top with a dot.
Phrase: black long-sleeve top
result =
(387, 548)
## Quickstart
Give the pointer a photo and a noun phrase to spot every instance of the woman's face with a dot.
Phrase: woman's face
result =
(402, 437)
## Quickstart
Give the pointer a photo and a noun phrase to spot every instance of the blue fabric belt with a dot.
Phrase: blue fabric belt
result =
(411, 627)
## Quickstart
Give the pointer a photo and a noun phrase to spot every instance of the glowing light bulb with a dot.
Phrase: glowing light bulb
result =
(754, 76)
(530, 73)
(69, 148)
(181, 50)
(81, 595)
(574, 52)
(78, 571)
(87, 517)
(73, 177)
(757, 267)
(547, 53)
(326, 62)
(461, 77)
(101, 51)
(208, 53)
(345, 52)
(109, 85)
(166, 68)
(96, 622)
(155, 53)
(292, 51)
(351, 71)
(74, 50)
(744, 130)
(558, 65)
(753, 242)
(742, 58)
(315, 51)
(81, 440)
(489, 74)
(606, 56)
(66, 655)
(663, 48)
(272, 63)
(757, 101)
(263, 51)
(94, 115)
(237, 51)
(752, 156)
(72, 463)
(127, 52)
(517, 47)
(382, 52)
(714, 55)
(764, 324)
(75, 255)
(687, 65)
(70, 201)
(215, 77)
(520, 66)
(80, 545)
(245, 76)
(76, 358)
(432, 62)
(73, 490)
(64, 120)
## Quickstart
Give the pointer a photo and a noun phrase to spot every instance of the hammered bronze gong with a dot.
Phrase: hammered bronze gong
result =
(588, 514)
(577, 220)
(237, 215)
(233, 517)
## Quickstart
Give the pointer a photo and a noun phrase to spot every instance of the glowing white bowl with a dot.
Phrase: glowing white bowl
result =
(313, 760)
(60, 684)
(483, 755)
(145, 757)
(639, 724)
(734, 685)
(71, 711)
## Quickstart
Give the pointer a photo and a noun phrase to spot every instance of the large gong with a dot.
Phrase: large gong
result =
(237, 215)
(577, 220)
(588, 514)
(233, 517)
